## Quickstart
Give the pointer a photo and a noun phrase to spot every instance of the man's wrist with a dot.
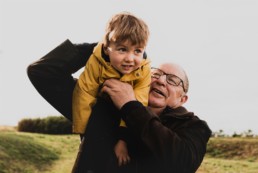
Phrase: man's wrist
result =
(128, 107)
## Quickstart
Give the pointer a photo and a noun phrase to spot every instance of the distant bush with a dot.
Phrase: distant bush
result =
(236, 148)
(48, 125)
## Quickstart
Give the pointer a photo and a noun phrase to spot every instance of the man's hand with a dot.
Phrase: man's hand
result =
(119, 92)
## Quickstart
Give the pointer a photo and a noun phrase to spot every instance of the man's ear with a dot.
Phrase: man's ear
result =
(184, 98)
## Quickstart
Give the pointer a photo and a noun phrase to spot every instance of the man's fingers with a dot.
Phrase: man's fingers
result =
(119, 92)
(105, 89)
(110, 82)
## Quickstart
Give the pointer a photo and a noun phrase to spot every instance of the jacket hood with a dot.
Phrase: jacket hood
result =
(98, 53)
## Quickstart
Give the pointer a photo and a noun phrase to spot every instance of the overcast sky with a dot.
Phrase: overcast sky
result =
(216, 42)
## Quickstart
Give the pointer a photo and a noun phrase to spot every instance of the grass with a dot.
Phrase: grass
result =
(231, 155)
(213, 165)
(233, 148)
(34, 153)
(67, 146)
(23, 153)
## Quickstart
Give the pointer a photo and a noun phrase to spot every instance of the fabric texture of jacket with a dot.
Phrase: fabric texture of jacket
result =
(174, 142)
(96, 71)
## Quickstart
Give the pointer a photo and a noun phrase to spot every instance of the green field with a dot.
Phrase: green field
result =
(231, 155)
(37, 153)
(34, 153)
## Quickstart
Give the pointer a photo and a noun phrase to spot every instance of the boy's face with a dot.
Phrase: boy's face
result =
(125, 57)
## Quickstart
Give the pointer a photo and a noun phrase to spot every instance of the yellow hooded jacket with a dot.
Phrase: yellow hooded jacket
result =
(96, 71)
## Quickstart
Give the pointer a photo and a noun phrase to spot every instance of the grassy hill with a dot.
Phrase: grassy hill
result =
(34, 153)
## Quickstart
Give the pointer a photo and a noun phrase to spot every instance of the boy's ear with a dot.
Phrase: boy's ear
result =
(105, 50)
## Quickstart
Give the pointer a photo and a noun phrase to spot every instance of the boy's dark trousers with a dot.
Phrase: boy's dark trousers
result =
(96, 150)
(52, 77)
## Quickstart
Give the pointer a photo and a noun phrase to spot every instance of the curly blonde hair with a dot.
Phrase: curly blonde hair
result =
(126, 27)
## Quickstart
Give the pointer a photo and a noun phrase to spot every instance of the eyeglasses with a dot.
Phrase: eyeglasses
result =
(170, 78)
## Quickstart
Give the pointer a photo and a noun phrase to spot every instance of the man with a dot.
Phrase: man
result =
(165, 136)
(175, 138)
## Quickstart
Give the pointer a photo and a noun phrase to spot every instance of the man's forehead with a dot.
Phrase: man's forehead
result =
(170, 68)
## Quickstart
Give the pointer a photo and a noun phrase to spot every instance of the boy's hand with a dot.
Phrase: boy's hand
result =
(121, 153)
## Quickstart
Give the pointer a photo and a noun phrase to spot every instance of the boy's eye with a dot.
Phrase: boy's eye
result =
(121, 49)
(138, 51)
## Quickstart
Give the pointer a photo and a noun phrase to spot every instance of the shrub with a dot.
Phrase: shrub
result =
(48, 125)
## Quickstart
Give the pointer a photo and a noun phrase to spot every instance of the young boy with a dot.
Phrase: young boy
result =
(120, 55)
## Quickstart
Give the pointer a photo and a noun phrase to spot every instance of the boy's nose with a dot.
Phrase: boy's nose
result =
(129, 57)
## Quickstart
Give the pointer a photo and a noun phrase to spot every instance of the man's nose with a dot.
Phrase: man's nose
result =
(162, 79)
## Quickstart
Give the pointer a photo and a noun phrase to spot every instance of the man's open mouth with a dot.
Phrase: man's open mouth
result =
(158, 91)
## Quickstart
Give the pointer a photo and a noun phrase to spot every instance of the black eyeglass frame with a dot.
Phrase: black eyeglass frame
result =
(166, 74)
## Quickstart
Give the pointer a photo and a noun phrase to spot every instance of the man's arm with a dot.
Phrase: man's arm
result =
(52, 74)
(181, 150)
(176, 149)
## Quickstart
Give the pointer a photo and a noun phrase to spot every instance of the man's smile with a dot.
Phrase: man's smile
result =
(159, 92)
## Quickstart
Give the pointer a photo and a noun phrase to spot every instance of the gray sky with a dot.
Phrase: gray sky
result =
(216, 41)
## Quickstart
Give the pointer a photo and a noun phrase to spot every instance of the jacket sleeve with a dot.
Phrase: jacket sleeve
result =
(52, 77)
(84, 95)
(176, 150)
(142, 87)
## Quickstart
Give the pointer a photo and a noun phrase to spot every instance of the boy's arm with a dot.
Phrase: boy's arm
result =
(84, 95)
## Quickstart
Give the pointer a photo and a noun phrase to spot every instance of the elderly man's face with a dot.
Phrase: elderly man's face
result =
(163, 94)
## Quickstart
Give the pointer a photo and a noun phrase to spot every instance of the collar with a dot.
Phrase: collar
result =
(179, 113)
(104, 56)
(98, 52)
